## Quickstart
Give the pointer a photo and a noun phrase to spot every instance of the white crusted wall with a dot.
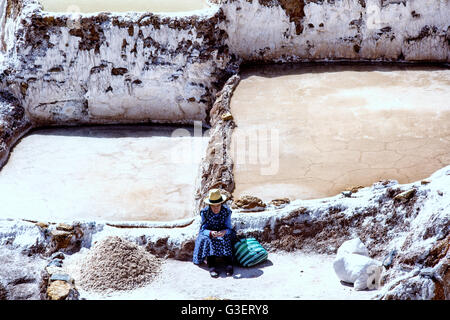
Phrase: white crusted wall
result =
(341, 30)
(252, 28)
(142, 93)
(8, 25)
(171, 74)
(157, 71)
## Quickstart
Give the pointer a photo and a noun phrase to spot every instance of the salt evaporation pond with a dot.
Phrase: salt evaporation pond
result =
(88, 6)
(104, 173)
(333, 127)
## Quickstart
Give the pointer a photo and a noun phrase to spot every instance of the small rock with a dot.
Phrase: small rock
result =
(249, 203)
(355, 189)
(42, 225)
(58, 255)
(60, 234)
(347, 194)
(424, 182)
(61, 277)
(280, 202)
(54, 269)
(61, 238)
(387, 262)
(439, 192)
(64, 227)
(55, 263)
(118, 71)
(405, 195)
(384, 184)
(227, 116)
(58, 290)
(73, 294)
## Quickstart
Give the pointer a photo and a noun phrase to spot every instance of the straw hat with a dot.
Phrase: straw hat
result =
(215, 197)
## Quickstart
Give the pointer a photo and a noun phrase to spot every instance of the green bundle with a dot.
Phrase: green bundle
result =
(249, 252)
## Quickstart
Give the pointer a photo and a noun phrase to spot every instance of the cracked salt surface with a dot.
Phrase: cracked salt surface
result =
(113, 173)
(317, 130)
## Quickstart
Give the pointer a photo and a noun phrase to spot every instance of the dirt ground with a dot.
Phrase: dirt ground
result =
(284, 276)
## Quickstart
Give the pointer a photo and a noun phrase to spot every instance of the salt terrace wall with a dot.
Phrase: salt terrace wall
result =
(9, 12)
(109, 68)
(293, 30)
(133, 67)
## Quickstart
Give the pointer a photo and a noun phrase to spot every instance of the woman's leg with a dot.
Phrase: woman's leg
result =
(229, 265)
(211, 260)
(228, 260)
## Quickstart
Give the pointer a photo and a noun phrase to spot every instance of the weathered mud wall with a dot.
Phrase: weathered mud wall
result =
(110, 68)
(294, 30)
(216, 168)
(13, 124)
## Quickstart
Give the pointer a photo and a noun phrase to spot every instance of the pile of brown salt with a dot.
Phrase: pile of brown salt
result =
(117, 264)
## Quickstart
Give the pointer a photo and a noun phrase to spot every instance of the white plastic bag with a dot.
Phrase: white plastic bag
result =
(353, 246)
(353, 265)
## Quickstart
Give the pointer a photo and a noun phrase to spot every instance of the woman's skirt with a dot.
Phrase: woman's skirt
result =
(206, 246)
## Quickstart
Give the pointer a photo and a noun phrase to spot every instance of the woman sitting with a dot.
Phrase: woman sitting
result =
(216, 237)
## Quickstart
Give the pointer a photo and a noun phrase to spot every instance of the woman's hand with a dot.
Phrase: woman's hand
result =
(218, 234)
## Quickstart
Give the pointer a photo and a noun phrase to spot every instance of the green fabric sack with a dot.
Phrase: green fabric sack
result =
(249, 252)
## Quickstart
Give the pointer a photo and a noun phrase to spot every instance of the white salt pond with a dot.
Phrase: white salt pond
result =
(307, 132)
(107, 173)
(88, 6)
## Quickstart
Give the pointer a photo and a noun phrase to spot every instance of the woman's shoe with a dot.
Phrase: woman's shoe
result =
(213, 272)
(229, 270)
